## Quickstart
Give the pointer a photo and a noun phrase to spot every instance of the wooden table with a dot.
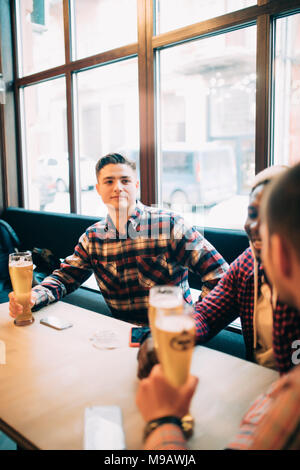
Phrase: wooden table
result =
(51, 376)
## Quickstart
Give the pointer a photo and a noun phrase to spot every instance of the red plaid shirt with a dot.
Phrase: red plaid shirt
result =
(234, 297)
(158, 248)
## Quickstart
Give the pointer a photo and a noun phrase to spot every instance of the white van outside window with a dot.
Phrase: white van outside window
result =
(198, 177)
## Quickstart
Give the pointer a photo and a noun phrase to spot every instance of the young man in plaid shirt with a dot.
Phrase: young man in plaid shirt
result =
(273, 421)
(133, 249)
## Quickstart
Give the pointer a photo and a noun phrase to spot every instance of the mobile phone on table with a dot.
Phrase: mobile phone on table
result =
(103, 428)
(55, 322)
(136, 335)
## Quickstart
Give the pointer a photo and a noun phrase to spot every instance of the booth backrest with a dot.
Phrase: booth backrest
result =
(57, 232)
(60, 233)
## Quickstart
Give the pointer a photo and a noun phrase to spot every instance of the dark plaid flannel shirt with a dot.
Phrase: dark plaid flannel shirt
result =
(234, 297)
(159, 248)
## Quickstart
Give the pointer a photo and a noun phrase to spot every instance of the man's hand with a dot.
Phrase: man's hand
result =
(156, 397)
(16, 309)
(146, 358)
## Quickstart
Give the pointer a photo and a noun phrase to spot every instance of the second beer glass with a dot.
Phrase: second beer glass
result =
(21, 271)
(164, 297)
(175, 335)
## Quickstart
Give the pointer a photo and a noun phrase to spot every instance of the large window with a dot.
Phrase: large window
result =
(202, 94)
(41, 35)
(46, 163)
(71, 120)
(172, 14)
(108, 122)
(101, 25)
(287, 91)
(207, 127)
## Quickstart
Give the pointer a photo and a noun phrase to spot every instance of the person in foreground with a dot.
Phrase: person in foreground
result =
(273, 421)
(133, 249)
(245, 292)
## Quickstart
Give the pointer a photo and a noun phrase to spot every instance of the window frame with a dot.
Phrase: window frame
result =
(263, 14)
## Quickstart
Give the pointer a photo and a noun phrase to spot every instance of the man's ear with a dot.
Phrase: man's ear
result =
(137, 184)
(282, 255)
(98, 188)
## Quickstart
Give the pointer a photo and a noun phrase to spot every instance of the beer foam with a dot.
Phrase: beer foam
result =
(166, 301)
(20, 263)
(174, 323)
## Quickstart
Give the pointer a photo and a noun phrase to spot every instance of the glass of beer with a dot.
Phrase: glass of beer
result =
(175, 335)
(21, 271)
(163, 297)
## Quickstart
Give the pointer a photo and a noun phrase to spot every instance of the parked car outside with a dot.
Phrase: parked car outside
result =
(42, 191)
(193, 177)
(47, 191)
(204, 176)
(58, 168)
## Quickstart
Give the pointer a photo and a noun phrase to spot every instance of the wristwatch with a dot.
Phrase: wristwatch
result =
(154, 423)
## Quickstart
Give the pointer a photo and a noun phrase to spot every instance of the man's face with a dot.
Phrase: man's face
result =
(117, 186)
(272, 259)
(252, 222)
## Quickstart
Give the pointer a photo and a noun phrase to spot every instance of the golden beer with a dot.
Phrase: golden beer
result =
(176, 338)
(168, 298)
(176, 333)
(21, 271)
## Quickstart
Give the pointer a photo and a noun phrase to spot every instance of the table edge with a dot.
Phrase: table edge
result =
(18, 438)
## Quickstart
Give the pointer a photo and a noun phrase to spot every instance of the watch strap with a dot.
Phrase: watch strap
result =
(155, 423)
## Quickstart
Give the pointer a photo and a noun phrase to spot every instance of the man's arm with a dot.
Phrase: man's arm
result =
(73, 272)
(220, 307)
(168, 436)
(156, 399)
(212, 314)
(273, 421)
(195, 253)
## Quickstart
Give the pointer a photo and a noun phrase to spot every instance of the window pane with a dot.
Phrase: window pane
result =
(287, 91)
(176, 14)
(207, 127)
(101, 25)
(41, 35)
(108, 113)
(47, 165)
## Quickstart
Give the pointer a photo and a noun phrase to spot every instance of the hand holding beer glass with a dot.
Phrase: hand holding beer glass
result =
(21, 272)
(175, 336)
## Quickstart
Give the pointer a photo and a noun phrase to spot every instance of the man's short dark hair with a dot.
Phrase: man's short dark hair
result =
(113, 159)
(281, 206)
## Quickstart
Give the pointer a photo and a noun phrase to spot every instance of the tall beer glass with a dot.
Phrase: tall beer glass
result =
(175, 334)
(20, 271)
(167, 298)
